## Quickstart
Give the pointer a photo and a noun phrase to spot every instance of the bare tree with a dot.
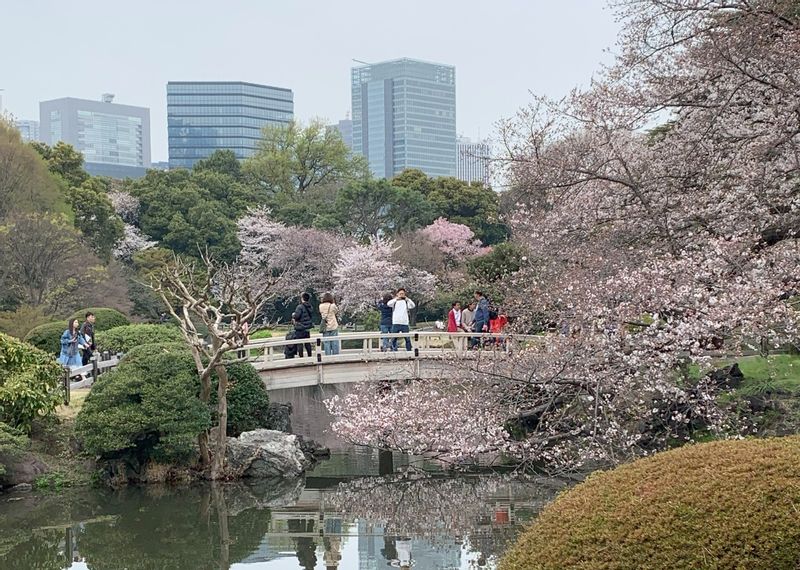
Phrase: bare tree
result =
(225, 298)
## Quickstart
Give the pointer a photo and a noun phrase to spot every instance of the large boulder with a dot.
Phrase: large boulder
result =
(21, 469)
(265, 453)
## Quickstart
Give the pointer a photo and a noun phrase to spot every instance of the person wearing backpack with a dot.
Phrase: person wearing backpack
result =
(401, 305)
(386, 321)
(329, 325)
(303, 323)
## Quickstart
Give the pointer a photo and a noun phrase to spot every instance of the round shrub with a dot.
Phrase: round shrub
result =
(125, 338)
(146, 409)
(30, 383)
(105, 319)
(261, 333)
(726, 504)
(248, 400)
(47, 337)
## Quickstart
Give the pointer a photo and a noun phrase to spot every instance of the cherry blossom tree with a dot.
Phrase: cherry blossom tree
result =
(303, 257)
(364, 273)
(661, 208)
(125, 205)
(132, 242)
(456, 241)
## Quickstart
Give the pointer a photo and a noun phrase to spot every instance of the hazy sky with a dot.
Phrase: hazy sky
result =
(502, 50)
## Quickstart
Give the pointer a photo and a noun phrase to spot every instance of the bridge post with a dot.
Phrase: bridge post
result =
(319, 350)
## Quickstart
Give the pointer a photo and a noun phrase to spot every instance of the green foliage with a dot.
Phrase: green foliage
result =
(20, 321)
(95, 216)
(222, 162)
(498, 264)
(146, 409)
(261, 333)
(777, 373)
(12, 443)
(47, 337)
(187, 210)
(30, 383)
(248, 401)
(64, 161)
(377, 207)
(26, 185)
(727, 504)
(127, 337)
(105, 318)
(294, 158)
(473, 205)
(371, 320)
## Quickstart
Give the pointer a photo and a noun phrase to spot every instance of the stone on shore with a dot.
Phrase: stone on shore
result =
(265, 453)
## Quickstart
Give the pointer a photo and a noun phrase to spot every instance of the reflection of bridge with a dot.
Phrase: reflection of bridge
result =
(360, 358)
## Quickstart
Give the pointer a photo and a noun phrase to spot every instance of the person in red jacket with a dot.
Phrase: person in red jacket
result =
(454, 325)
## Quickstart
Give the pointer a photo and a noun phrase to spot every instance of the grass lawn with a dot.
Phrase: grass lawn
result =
(76, 398)
(780, 372)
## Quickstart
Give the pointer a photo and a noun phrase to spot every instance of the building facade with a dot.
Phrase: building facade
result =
(404, 116)
(28, 129)
(205, 116)
(473, 161)
(114, 139)
(345, 129)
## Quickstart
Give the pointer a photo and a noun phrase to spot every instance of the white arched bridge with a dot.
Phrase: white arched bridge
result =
(360, 358)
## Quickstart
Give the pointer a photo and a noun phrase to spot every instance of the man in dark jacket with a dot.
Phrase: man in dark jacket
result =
(87, 332)
(386, 320)
(303, 323)
(481, 316)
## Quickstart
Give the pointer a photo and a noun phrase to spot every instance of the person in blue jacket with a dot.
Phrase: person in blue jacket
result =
(71, 343)
(481, 316)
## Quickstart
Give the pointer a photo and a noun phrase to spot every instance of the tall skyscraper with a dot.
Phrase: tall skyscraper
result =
(205, 116)
(28, 129)
(114, 139)
(473, 161)
(404, 116)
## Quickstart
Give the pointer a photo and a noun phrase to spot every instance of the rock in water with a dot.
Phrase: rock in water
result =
(265, 453)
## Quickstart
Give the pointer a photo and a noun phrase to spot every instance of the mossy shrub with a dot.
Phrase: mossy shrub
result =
(146, 409)
(127, 337)
(726, 504)
(30, 383)
(105, 319)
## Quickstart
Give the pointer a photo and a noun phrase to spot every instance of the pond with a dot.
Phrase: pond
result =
(329, 520)
(359, 510)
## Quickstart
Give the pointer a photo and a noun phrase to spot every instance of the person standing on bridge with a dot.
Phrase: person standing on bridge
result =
(303, 323)
(329, 326)
(87, 332)
(386, 321)
(401, 306)
(71, 342)
(481, 317)
(454, 325)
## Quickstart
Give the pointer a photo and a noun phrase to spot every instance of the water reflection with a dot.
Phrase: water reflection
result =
(398, 521)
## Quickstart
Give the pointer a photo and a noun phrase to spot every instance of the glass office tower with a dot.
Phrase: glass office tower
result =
(205, 116)
(114, 139)
(404, 116)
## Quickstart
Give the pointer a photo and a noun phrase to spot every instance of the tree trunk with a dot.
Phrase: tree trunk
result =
(218, 464)
(205, 396)
(224, 534)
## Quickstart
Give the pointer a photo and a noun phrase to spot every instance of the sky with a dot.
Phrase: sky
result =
(502, 50)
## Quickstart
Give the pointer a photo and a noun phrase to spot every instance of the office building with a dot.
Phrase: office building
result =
(473, 161)
(345, 129)
(404, 116)
(114, 139)
(28, 129)
(205, 116)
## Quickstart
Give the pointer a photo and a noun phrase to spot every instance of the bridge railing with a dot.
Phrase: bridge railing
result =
(368, 344)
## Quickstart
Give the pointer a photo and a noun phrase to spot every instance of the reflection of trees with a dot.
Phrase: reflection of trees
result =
(179, 531)
(141, 529)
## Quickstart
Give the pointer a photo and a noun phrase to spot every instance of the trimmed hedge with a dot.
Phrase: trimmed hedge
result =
(146, 409)
(105, 319)
(725, 504)
(47, 337)
(30, 383)
(125, 338)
